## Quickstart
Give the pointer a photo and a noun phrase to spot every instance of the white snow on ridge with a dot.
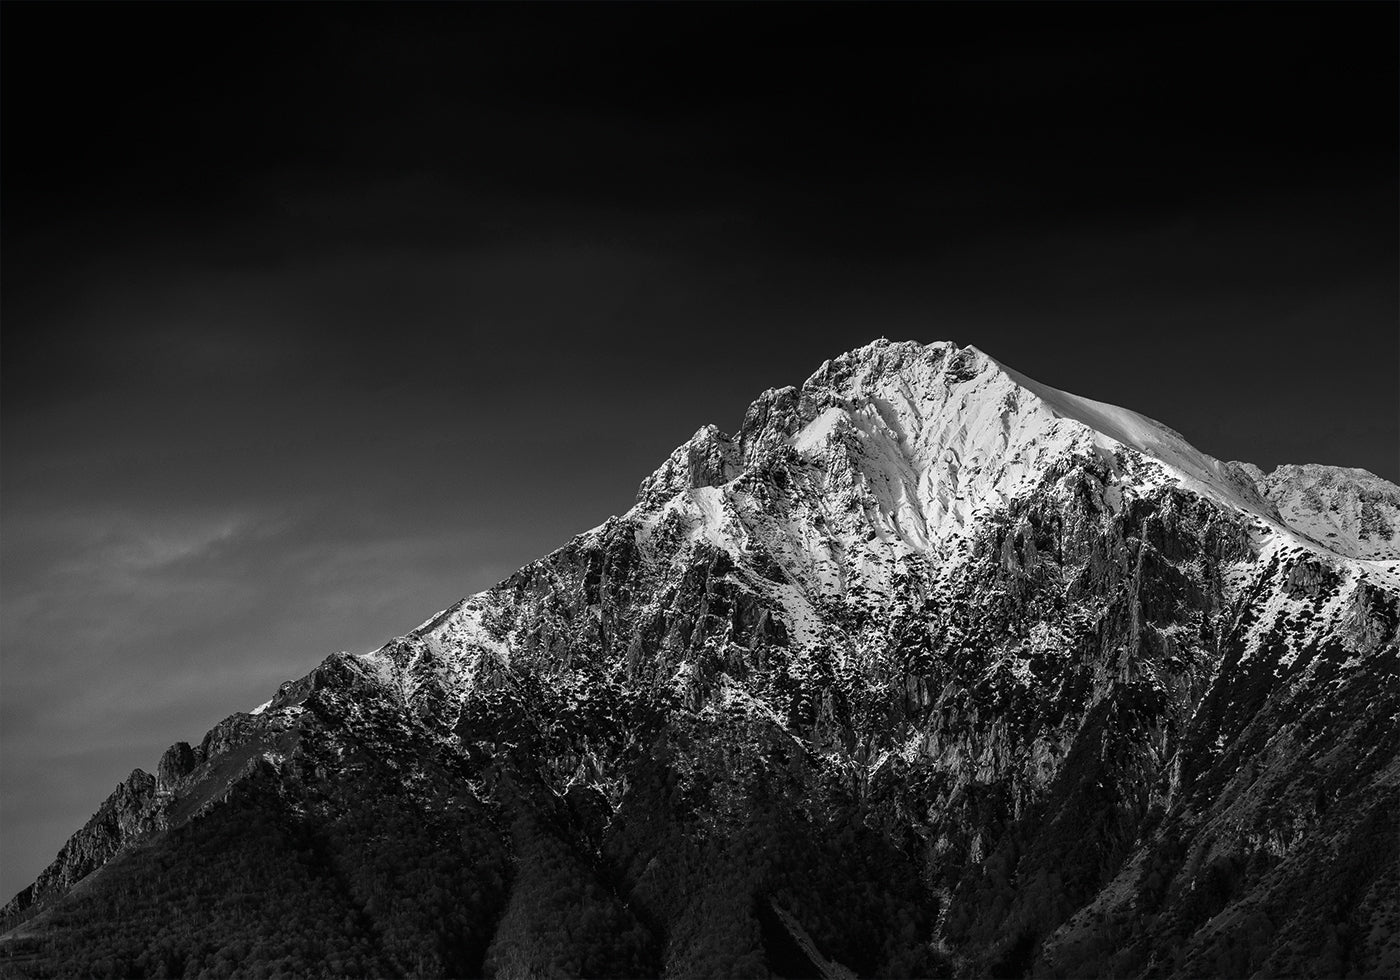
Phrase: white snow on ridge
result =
(1147, 436)
(946, 434)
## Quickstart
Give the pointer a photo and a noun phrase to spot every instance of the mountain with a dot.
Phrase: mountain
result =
(927, 670)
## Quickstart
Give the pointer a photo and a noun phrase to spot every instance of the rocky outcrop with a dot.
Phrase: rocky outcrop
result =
(123, 817)
(178, 762)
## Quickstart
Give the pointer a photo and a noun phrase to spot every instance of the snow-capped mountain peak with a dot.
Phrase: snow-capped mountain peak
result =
(938, 433)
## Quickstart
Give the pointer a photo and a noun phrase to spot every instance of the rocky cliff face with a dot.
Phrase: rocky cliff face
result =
(124, 816)
(927, 668)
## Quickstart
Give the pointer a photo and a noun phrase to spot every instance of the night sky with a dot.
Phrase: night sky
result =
(316, 319)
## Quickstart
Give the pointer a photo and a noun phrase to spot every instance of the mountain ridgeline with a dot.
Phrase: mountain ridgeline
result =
(927, 670)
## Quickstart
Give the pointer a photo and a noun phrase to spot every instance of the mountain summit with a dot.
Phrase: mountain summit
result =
(929, 669)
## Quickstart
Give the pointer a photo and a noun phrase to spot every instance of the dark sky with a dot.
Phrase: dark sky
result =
(318, 318)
